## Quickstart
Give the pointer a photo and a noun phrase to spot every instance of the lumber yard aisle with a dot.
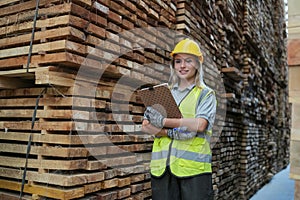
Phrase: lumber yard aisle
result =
(70, 115)
(280, 187)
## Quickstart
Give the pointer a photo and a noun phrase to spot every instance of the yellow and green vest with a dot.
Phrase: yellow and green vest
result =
(184, 157)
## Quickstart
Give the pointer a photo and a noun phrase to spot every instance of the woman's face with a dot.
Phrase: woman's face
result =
(185, 67)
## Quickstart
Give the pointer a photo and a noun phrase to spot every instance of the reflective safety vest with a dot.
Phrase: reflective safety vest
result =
(185, 157)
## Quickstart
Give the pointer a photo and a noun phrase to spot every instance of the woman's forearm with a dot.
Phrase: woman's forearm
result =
(192, 124)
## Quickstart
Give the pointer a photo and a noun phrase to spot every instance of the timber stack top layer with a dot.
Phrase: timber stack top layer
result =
(70, 116)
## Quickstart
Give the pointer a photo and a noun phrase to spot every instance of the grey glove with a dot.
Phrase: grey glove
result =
(180, 133)
(155, 118)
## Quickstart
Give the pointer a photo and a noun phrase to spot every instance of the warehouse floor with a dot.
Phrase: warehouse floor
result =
(281, 187)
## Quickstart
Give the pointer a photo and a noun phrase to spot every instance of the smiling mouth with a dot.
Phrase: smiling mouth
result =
(183, 71)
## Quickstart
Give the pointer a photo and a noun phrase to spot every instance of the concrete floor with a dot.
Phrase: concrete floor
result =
(281, 187)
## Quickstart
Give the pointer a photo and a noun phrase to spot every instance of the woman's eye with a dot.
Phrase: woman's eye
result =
(177, 61)
(189, 60)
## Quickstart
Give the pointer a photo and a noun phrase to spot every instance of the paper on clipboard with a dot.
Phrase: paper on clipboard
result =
(161, 99)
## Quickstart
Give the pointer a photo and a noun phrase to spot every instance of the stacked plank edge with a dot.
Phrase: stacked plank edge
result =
(81, 82)
(294, 99)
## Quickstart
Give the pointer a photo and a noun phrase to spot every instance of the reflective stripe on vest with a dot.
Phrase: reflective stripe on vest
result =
(186, 157)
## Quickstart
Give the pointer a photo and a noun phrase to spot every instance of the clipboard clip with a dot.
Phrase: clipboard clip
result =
(151, 88)
(154, 86)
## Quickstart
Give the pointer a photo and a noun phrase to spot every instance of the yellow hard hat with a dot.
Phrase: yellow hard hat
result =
(188, 46)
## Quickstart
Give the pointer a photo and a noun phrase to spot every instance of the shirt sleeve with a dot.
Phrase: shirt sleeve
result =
(206, 107)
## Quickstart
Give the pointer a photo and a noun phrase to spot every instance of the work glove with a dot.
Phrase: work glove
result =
(181, 133)
(155, 117)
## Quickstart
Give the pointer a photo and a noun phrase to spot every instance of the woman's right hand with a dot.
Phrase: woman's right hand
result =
(155, 117)
(147, 127)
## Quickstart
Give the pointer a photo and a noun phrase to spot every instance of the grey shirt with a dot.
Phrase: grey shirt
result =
(206, 106)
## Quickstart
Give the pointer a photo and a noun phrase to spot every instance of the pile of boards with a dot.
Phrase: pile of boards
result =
(69, 72)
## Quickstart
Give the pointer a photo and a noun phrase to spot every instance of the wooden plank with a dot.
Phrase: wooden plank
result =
(17, 102)
(26, 125)
(13, 196)
(229, 95)
(137, 196)
(54, 101)
(46, 191)
(295, 118)
(29, 15)
(295, 131)
(19, 73)
(124, 192)
(297, 190)
(59, 32)
(44, 164)
(294, 97)
(93, 187)
(110, 183)
(30, 102)
(69, 125)
(24, 6)
(76, 102)
(137, 178)
(293, 81)
(126, 11)
(52, 125)
(53, 178)
(55, 138)
(14, 83)
(233, 73)
(5, 2)
(111, 162)
(295, 159)
(46, 114)
(69, 59)
(27, 26)
(65, 152)
(70, 152)
(137, 187)
(47, 77)
(101, 116)
(33, 92)
(107, 195)
(59, 45)
(97, 19)
(124, 181)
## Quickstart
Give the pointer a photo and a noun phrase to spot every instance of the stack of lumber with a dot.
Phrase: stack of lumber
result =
(266, 131)
(66, 165)
(80, 86)
(239, 37)
(79, 74)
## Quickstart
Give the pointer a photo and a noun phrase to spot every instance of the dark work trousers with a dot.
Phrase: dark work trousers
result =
(170, 187)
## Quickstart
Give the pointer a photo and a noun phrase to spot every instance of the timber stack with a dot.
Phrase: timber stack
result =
(69, 72)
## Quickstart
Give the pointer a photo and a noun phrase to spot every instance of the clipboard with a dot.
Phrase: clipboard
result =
(161, 99)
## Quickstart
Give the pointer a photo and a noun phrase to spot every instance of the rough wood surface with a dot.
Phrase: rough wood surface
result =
(90, 56)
